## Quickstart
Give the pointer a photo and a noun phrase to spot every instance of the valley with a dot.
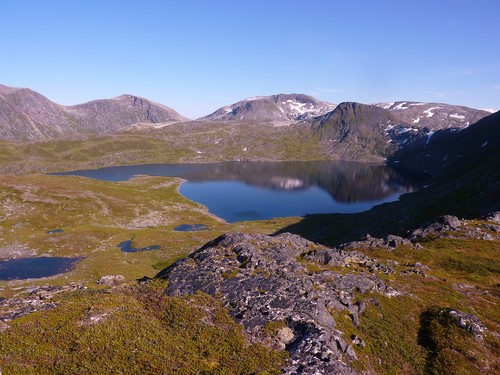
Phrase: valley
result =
(410, 285)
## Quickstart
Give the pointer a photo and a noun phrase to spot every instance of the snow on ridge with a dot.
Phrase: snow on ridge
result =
(400, 106)
(457, 116)
(490, 110)
(416, 120)
(429, 112)
(406, 130)
(388, 105)
(413, 104)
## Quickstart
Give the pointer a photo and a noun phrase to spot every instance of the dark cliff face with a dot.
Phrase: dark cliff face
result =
(466, 149)
(355, 131)
(25, 115)
(360, 131)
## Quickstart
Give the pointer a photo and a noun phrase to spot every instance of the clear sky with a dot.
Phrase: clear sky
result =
(198, 55)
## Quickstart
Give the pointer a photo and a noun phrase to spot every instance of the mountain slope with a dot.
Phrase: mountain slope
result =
(354, 131)
(372, 132)
(466, 184)
(433, 115)
(454, 149)
(108, 115)
(25, 115)
(281, 108)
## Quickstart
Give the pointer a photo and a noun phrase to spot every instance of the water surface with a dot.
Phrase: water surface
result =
(34, 268)
(238, 191)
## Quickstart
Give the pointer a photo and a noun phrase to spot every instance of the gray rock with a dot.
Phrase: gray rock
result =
(468, 322)
(263, 279)
(494, 217)
(111, 280)
(34, 299)
(437, 227)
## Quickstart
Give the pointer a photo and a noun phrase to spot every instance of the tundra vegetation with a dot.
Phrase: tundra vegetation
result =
(133, 327)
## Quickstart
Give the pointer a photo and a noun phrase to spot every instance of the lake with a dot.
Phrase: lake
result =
(34, 268)
(239, 191)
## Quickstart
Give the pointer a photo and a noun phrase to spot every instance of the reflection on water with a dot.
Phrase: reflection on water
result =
(55, 231)
(34, 268)
(190, 228)
(127, 247)
(239, 191)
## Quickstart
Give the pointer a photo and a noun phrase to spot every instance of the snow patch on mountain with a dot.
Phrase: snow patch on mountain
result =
(400, 106)
(457, 116)
(429, 113)
(429, 136)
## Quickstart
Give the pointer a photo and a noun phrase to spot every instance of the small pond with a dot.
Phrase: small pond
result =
(190, 228)
(239, 191)
(128, 247)
(34, 268)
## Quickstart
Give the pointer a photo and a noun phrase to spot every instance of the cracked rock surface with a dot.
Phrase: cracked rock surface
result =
(287, 279)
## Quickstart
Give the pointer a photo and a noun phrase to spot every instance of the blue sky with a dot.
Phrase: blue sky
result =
(196, 56)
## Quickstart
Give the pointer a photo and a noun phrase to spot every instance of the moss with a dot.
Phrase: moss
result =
(451, 349)
(133, 330)
(272, 327)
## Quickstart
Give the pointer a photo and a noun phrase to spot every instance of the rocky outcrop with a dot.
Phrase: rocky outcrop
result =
(34, 299)
(284, 279)
(438, 226)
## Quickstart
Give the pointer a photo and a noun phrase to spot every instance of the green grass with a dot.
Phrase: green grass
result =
(187, 142)
(406, 334)
(134, 330)
(96, 216)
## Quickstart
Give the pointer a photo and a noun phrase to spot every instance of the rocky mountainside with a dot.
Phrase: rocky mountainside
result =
(108, 115)
(465, 149)
(433, 116)
(278, 109)
(466, 182)
(361, 131)
(25, 115)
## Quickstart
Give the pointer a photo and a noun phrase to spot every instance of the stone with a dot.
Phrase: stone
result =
(437, 227)
(111, 280)
(282, 278)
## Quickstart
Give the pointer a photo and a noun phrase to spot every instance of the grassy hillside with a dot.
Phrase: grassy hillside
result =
(187, 142)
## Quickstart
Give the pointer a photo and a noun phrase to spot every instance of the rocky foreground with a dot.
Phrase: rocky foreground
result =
(289, 294)
(287, 279)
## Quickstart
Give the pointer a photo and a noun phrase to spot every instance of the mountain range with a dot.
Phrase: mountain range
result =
(26, 115)
(347, 131)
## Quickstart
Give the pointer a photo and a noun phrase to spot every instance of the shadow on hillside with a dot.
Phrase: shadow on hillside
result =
(469, 201)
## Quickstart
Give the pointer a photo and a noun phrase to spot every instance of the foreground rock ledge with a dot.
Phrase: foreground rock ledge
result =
(284, 279)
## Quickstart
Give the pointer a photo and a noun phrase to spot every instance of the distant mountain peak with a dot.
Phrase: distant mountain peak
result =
(433, 115)
(27, 115)
(279, 108)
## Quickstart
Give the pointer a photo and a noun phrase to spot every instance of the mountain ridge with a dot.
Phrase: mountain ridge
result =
(279, 108)
(26, 115)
